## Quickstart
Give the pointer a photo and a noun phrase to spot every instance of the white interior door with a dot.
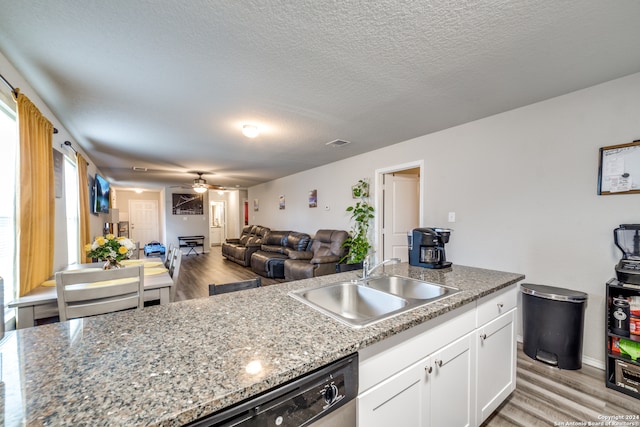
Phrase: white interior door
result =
(400, 214)
(217, 227)
(143, 219)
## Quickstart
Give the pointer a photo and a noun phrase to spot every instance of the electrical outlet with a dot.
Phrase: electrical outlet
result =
(452, 217)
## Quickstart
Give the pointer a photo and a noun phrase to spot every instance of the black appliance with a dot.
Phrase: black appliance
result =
(627, 239)
(323, 397)
(426, 247)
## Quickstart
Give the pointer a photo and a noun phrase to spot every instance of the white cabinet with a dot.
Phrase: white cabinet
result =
(433, 392)
(496, 363)
(397, 401)
(453, 370)
(450, 382)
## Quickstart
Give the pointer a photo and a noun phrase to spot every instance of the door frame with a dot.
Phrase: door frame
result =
(378, 200)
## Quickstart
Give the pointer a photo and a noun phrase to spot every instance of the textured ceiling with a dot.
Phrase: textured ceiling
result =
(166, 85)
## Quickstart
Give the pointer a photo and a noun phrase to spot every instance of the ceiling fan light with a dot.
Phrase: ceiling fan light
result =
(200, 189)
(250, 131)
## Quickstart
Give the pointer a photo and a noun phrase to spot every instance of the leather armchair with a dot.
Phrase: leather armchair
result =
(275, 249)
(321, 259)
(240, 250)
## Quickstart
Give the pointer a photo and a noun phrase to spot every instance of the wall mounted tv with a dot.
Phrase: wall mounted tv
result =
(101, 204)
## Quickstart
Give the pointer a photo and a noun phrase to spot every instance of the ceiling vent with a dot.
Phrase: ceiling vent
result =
(139, 169)
(337, 143)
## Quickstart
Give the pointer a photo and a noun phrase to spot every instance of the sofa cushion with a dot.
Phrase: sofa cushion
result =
(275, 241)
(298, 241)
(305, 255)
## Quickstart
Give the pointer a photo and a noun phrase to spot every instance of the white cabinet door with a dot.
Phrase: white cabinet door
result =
(450, 385)
(397, 401)
(496, 366)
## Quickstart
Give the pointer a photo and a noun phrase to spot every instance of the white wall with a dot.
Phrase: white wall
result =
(186, 225)
(523, 186)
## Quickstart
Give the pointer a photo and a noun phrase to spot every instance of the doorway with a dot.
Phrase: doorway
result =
(217, 227)
(399, 203)
(143, 219)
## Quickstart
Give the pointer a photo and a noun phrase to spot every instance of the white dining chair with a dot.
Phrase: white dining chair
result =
(174, 271)
(88, 293)
(169, 257)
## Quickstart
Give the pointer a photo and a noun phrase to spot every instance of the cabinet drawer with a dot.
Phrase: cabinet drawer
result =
(496, 304)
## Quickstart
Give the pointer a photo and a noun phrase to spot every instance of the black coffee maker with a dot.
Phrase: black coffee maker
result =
(426, 247)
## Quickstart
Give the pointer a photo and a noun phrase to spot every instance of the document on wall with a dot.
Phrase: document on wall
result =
(613, 165)
(620, 183)
(619, 164)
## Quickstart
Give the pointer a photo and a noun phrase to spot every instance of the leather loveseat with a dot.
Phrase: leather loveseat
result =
(275, 249)
(326, 250)
(240, 250)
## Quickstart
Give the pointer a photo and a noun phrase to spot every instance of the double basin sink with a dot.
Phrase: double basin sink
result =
(364, 302)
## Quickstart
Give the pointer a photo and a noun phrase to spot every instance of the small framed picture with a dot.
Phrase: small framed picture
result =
(256, 205)
(281, 202)
(313, 198)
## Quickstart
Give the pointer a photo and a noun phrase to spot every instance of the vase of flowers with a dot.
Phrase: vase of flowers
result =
(111, 249)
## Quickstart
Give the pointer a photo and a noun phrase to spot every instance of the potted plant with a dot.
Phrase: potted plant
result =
(358, 244)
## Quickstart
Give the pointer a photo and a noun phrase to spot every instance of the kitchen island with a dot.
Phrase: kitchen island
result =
(171, 364)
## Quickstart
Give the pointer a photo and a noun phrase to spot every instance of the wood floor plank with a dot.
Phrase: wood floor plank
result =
(197, 272)
(548, 396)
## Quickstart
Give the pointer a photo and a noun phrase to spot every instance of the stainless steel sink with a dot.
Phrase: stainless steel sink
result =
(409, 288)
(359, 304)
(351, 303)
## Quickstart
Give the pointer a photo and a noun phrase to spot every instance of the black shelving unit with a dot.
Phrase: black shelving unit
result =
(615, 289)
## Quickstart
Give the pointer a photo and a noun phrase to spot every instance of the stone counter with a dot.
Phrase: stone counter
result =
(171, 364)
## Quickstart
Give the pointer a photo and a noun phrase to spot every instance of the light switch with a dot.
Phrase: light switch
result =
(452, 217)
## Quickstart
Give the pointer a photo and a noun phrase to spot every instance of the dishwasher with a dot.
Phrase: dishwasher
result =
(324, 397)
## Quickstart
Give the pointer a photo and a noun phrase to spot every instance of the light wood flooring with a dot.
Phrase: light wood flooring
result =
(548, 396)
(544, 395)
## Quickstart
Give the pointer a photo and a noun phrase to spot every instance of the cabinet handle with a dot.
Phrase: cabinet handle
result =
(483, 336)
(500, 305)
(428, 369)
(439, 363)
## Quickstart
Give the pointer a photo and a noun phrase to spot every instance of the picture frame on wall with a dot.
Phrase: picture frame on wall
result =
(256, 205)
(281, 203)
(619, 169)
(187, 204)
(313, 198)
(91, 182)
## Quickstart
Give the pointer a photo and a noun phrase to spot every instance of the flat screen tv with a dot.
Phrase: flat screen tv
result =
(102, 197)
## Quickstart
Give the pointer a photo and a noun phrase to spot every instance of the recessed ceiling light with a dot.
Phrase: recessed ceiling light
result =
(138, 190)
(337, 143)
(250, 131)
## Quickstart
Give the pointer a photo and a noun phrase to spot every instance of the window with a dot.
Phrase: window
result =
(72, 209)
(8, 171)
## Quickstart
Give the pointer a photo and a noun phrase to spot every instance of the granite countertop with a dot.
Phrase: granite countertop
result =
(171, 364)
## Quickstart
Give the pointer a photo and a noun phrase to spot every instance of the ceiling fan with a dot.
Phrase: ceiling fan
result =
(200, 184)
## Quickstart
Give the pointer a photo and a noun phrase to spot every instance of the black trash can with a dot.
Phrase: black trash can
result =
(553, 322)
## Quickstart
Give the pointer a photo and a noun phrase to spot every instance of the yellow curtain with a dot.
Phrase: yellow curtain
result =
(37, 196)
(83, 199)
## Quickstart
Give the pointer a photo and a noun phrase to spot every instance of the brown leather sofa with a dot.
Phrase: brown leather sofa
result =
(240, 250)
(275, 249)
(321, 259)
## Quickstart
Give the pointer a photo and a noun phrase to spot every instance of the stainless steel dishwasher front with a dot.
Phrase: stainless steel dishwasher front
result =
(324, 397)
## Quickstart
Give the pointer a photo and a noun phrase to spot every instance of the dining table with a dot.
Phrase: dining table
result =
(42, 301)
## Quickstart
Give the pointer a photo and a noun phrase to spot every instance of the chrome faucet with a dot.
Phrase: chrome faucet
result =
(366, 271)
